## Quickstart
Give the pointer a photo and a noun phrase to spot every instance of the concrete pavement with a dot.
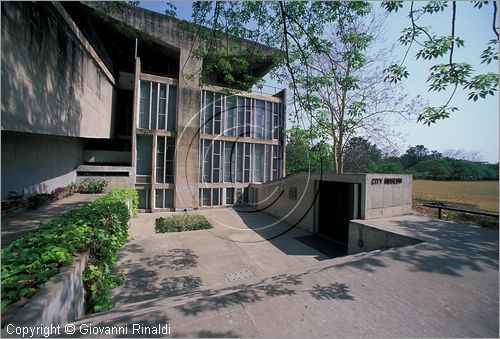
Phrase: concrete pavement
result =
(446, 286)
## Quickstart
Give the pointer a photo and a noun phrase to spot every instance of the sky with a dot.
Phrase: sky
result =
(475, 127)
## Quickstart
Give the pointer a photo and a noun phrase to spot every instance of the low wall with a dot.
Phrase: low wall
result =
(58, 302)
(364, 238)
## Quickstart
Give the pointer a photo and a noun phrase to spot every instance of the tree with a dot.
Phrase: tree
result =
(359, 154)
(448, 73)
(345, 94)
(303, 155)
(417, 154)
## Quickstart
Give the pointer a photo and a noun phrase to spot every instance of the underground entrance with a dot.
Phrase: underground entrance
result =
(339, 203)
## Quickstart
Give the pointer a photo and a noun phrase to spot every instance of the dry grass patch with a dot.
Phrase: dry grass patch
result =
(473, 195)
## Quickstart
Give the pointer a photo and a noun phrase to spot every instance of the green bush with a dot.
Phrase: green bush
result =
(88, 186)
(100, 227)
(182, 222)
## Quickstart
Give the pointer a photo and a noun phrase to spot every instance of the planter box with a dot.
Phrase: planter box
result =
(58, 302)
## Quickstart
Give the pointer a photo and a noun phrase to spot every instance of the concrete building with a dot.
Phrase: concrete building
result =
(117, 96)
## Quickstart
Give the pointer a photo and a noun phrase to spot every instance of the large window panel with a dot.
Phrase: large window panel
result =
(268, 123)
(267, 163)
(217, 113)
(154, 105)
(207, 161)
(229, 161)
(277, 121)
(144, 150)
(241, 117)
(248, 117)
(153, 110)
(162, 106)
(160, 159)
(247, 163)
(239, 162)
(144, 105)
(216, 165)
(169, 162)
(172, 108)
(276, 162)
(258, 163)
(208, 113)
(260, 107)
(231, 113)
(143, 202)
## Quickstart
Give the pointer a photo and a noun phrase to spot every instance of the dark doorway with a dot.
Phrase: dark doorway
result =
(338, 204)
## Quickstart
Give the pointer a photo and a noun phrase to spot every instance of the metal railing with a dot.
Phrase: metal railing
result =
(455, 209)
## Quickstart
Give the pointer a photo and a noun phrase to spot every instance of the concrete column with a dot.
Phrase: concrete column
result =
(188, 136)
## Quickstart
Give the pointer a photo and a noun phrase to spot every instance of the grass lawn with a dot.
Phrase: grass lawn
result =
(474, 195)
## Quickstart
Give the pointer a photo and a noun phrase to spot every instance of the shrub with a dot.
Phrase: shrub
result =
(182, 222)
(100, 227)
(88, 186)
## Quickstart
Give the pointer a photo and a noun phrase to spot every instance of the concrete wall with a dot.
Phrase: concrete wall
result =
(34, 163)
(113, 181)
(58, 302)
(50, 82)
(363, 238)
(289, 199)
(387, 195)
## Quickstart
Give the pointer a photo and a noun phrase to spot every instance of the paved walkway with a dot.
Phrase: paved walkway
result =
(14, 225)
(446, 286)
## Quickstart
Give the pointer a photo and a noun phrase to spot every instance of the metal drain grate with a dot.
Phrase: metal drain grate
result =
(241, 274)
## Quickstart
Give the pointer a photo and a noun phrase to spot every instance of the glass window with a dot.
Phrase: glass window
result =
(248, 117)
(144, 105)
(268, 132)
(162, 106)
(160, 159)
(208, 113)
(216, 166)
(230, 115)
(259, 118)
(258, 163)
(206, 196)
(144, 150)
(143, 202)
(217, 113)
(207, 160)
(164, 198)
(172, 108)
(159, 198)
(267, 163)
(276, 164)
(247, 162)
(216, 196)
(229, 161)
(154, 104)
(229, 196)
(169, 198)
(153, 110)
(276, 121)
(169, 162)
(241, 117)
(239, 162)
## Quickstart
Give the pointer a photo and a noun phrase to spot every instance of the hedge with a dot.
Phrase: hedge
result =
(100, 227)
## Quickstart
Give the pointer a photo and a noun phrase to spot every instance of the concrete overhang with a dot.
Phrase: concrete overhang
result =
(157, 33)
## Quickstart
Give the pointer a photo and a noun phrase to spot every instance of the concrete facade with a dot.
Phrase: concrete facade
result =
(34, 163)
(69, 71)
(50, 84)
